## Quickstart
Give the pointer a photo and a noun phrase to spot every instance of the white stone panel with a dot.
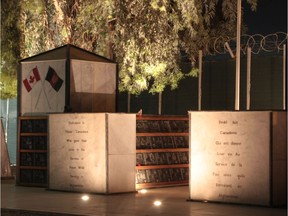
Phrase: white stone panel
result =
(230, 157)
(79, 157)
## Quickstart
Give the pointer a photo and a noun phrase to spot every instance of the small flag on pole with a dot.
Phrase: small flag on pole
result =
(53, 78)
(31, 79)
(139, 113)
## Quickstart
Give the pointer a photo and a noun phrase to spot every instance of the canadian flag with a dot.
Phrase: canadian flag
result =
(31, 79)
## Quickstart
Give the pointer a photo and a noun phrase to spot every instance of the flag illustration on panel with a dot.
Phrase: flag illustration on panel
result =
(31, 79)
(53, 78)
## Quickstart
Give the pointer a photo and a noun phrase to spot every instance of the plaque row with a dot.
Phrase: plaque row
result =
(163, 126)
(33, 159)
(33, 126)
(159, 142)
(162, 158)
(162, 175)
(33, 142)
(33, 176)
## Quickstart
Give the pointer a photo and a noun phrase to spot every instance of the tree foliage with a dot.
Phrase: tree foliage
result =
(147, 45)
(147, 37)
(10, 51)
(46, 24)
(150, 36)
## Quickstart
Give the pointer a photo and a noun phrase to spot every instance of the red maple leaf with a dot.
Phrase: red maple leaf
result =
(31, 79)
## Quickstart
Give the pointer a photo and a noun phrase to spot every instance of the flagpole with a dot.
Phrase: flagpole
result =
(45, 94)
(36, 104)
(42, 83)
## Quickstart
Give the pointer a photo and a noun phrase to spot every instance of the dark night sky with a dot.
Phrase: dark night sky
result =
(270, 17)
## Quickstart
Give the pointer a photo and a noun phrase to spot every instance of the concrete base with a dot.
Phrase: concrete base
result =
(38, 201)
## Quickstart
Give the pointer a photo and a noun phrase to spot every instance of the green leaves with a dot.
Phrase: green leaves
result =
(150, 36)
(10, 51)
(146, 37)
(146, 46)
(8, 86)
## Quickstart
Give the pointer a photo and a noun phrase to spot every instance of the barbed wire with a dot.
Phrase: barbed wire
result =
(257, 42)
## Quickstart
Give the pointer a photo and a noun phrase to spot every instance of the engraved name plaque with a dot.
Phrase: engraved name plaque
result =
(88, 151)
(231, 157)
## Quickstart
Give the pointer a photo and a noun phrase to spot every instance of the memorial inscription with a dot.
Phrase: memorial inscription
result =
(76, 145)
(231, 154)
(234, 162)
(96, 155)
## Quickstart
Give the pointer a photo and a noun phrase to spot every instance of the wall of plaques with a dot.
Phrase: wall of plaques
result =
(162, 155)
(32, 151)
(162, 151)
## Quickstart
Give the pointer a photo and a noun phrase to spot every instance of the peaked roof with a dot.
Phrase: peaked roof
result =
(67, 51)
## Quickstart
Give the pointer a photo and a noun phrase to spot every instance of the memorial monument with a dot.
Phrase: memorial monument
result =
(69, 136)
(238, 157)
(93, 153)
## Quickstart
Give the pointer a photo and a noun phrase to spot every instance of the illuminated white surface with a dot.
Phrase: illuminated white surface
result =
(92, 86)
(94, 77)
(92, 152)
(43, 98)
(230, 157)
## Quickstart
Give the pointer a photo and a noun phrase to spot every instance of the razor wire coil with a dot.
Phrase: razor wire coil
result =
(257, 42)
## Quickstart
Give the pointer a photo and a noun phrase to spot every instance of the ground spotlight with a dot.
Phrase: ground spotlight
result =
(157, 203)
(143, 191)
(85, 197)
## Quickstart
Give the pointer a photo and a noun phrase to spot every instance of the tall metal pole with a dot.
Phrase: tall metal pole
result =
(237, 80)
(284, 77)
(200, 80)
(248, 78)
(160, 103)
(128, 102)
(7, 120)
